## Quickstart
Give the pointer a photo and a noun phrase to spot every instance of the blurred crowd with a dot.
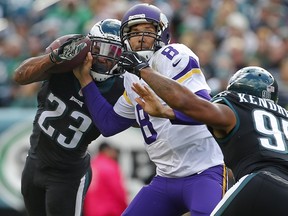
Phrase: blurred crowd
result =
(226, 35)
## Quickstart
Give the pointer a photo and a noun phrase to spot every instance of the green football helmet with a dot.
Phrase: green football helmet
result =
(254, 81)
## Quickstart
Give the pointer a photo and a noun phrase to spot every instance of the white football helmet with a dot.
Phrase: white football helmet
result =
(106, 49)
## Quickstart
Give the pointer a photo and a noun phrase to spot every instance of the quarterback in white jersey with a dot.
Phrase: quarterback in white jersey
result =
(190, 169)
(177, 149)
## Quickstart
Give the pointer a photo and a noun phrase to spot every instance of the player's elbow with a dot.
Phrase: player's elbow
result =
(20, 75)
(17, 78)
(107, 133)
(112, 123)
(115, 129)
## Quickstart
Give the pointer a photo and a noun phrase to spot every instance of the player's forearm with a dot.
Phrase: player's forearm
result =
(102, 113)
(182, 99)
(33, 70)
(167, 112)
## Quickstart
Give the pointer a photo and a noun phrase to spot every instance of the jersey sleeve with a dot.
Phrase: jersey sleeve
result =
(124, 107)
(103, 115)
(182, 65)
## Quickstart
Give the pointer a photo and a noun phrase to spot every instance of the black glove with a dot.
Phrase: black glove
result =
(132, 62)
(68, 50)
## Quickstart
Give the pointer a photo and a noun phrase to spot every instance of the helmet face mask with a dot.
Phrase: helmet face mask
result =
(106, 49)
(140, 14)
(255, 81)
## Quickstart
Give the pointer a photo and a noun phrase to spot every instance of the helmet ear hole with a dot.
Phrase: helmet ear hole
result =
(255, 81)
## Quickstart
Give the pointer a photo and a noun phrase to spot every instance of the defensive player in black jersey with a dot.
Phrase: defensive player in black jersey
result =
(57, 172)
(251, 129)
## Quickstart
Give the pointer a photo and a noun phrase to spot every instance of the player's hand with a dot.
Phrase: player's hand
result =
(132, 62)
(82, 72)
(151, 103)
(68, 50)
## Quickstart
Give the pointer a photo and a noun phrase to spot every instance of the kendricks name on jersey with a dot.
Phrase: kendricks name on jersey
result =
(245, 98)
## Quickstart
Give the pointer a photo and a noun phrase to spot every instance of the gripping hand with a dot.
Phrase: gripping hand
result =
(68, 50)
(132, 62)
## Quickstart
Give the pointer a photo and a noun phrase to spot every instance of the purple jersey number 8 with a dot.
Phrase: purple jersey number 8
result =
(149, 134)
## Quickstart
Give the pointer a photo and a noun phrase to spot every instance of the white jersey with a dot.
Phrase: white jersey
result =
(177, 150)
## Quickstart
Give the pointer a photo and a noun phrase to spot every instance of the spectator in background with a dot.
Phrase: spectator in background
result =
(258, 23)
(282, 76)
(11, 57)
(70, 16)
(106, 195)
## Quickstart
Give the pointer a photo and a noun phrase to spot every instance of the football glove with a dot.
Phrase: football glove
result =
(68, 50)
(132, 62)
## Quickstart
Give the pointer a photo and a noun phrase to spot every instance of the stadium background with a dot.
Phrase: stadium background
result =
(225, 34)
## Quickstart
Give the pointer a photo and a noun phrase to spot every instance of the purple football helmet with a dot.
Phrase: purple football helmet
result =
(145, 13)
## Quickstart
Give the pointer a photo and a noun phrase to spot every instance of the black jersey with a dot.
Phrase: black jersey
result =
(62, 128)
(260, 137)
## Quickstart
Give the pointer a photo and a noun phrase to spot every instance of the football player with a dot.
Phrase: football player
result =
(57, 172)
(250, 128)
(190, 168)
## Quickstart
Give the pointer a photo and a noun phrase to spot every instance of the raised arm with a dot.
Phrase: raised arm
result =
(219, 117)
(33, 70)
(103, 115)
(40, 68)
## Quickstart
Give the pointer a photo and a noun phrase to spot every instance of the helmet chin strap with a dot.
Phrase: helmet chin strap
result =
(147, 54)
(99, 77)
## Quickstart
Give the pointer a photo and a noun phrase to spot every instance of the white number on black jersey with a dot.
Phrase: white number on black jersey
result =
(274, 130)
(47, 116)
